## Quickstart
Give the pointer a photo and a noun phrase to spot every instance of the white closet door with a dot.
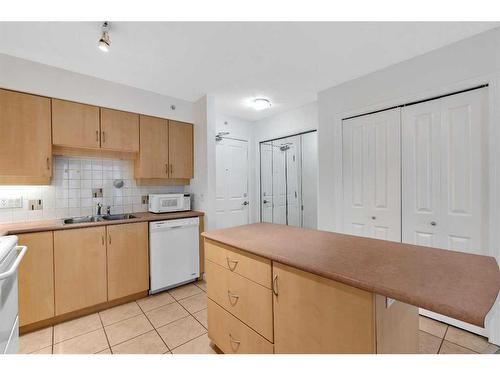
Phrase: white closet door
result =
(293, 175)
(371, 175)
(421, 144)
(444, 175)
(309, 168)
(279, 183)
(266, 181)
(232, 206)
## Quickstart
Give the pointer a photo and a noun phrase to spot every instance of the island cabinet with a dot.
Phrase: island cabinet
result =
(127, 259)
(261, 306)
(25, 139)
(80, 268)
(36, 278)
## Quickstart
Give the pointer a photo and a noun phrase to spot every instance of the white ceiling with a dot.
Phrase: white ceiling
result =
(285, 62)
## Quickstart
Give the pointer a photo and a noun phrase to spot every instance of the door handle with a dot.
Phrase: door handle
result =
(265, 201)
(433, 223)
(245, 203)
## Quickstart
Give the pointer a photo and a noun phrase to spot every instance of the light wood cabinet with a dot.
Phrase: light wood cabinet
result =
(119, 130)
(180, 149)
(127, 259)
(75, 125)
(153, 156)
(80, 268)
(248, 301)
(25, 141)
(36, 278)
(232, 336)
(313, 314)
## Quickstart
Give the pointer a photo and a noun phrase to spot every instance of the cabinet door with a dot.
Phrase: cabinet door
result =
(36, 278)
(80, 268)
(119, 130)
(313, 314)
(75, 124)
(153, 155)
(372, 175)
(25, 141)
(180, 149)
(128, 267)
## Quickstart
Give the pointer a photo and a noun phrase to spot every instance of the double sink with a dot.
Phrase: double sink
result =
(96, 218)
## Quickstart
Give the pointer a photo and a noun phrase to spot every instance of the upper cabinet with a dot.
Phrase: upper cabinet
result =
(153, 156)
(25, 141)
(75, 125)
(119, 130)
(180, 150)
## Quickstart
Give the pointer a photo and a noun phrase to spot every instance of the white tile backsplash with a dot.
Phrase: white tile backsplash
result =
(70, 193)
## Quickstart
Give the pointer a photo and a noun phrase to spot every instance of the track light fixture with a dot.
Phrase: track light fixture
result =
(104, 42)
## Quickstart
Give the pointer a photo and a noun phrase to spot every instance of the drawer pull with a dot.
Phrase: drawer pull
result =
(231, 297)
(233, 341)
(275, 285)
(231, 261)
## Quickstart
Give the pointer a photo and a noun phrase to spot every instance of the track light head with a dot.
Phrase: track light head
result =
(104, 42)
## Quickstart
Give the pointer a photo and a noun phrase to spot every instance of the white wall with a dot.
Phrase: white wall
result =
(292, 122)
(32, 77)
(461, 65)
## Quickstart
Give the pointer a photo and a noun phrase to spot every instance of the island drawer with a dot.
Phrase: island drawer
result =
(245, 299)
(251, 266)
(232, 335)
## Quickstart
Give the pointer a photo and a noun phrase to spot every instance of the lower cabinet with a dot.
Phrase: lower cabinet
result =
(79, 268)
(127, 258)
(36, 278)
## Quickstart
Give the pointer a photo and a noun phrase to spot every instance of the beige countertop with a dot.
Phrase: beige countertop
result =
(57, 224)
(462, 286)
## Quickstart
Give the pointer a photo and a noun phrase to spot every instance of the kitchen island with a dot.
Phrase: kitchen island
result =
(279, 289)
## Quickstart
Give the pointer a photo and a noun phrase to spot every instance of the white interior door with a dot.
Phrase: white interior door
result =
(309, 180)
(232, 206)
(266, 182)
(444, 177)
(371, 175)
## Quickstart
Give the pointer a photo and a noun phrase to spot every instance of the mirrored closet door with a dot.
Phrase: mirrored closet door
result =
(288, 175)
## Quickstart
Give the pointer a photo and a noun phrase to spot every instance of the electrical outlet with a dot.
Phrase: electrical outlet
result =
(35, 204)
(11, 202)
(145, 199)
(97, 193)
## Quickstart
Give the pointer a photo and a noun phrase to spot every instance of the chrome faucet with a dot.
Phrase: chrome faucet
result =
(99, 207)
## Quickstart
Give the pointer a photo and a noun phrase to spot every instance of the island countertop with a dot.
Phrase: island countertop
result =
(459, 285)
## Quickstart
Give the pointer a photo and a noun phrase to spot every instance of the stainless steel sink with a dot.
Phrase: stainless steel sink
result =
(119, 217)
(82, 219)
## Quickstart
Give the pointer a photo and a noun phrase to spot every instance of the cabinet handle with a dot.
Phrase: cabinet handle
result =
(109, 238)
(231, 297)
(97, 135)
(229, 261)
(103, 136)
(275, 285)
(166, 169)
(237, 342)
(48, 163)
(102, 238)
(171, 168)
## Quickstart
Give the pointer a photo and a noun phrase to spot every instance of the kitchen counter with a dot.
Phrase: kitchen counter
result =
(459, 285)
(57, 224)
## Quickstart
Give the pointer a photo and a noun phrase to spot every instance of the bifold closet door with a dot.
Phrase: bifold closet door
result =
(371, 175)
(293, 181)
(279, 183)
(444, 176)
(266, 182)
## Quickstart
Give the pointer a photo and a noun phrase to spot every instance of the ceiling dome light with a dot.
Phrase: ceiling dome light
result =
(260, 103)
(104, 42)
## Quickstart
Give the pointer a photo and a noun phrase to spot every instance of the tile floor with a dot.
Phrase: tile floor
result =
(176, 322)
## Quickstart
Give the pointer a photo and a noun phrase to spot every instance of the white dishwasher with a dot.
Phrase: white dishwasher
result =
(174, 253)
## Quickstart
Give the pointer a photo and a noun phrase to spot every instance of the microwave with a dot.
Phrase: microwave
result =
(159, 203)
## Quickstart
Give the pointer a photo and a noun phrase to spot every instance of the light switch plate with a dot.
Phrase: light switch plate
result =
(11, 202)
